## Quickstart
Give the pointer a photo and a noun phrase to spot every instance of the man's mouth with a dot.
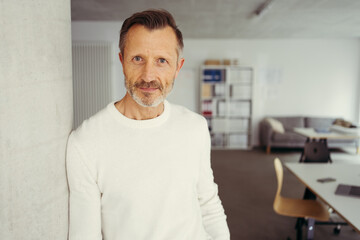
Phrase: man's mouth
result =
(148, 87)
(149, 90)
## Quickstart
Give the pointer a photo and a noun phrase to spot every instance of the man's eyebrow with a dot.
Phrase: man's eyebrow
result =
(156, 55)
(164, 55)
(136, 55)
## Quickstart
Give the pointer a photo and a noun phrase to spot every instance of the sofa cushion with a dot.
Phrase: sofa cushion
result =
(290, 123)
(345, 130)
(276, 125)
(340, 141)
(288, 137)
(319, 124)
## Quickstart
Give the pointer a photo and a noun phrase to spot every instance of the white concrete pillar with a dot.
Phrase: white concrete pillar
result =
(35, 118)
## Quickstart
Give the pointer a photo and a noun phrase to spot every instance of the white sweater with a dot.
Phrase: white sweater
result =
(143, 179)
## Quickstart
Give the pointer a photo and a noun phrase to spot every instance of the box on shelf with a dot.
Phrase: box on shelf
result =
(226, 62)
(206, 90)
(212, 62)
(213, 75)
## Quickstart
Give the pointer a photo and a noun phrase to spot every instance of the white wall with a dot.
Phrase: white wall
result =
(358, 108)
(103, 32)
(35, 118)
(317, 77)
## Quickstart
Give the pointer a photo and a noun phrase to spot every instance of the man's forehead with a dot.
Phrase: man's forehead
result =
(141, 29)
(162, 39)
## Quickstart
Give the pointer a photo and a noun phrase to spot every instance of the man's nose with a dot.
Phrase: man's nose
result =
(149, 72)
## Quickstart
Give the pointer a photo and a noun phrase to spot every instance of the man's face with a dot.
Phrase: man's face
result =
(150, 64)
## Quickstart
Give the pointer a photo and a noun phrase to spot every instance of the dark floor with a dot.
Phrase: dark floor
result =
(247, 186)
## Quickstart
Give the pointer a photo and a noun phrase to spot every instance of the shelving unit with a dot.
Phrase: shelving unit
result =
(226, 103)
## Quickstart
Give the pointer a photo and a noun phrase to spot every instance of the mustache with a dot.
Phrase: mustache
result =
(152, 84)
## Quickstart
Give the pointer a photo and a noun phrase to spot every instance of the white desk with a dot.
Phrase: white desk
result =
(312, 134)
(347, 207)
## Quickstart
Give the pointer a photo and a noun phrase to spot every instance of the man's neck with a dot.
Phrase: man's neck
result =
(131, 109)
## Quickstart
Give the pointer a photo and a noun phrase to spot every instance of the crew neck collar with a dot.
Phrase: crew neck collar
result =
(148, 123)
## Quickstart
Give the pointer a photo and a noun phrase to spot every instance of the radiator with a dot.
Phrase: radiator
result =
(91, 63)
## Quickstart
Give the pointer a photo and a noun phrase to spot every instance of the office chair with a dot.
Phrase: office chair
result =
(307, 209)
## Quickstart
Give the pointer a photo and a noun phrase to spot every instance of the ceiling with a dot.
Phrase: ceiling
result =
(236, 18)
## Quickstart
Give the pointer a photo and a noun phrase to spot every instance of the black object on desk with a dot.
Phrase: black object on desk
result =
(325, 180)
(348, 190)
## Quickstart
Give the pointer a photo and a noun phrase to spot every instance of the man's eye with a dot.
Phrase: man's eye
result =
(137, 58)
(162, 60)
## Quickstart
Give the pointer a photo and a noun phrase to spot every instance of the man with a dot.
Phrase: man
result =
(140, 168)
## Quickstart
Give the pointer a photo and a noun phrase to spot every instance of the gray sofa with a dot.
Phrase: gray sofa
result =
(289, 139)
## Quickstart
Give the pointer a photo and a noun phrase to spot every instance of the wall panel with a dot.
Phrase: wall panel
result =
(35, 118)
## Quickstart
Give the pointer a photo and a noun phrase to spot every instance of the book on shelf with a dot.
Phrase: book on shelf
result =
(206, 91)
(208, 108)
(213, 75)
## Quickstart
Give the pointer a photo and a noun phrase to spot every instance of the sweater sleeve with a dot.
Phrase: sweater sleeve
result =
(214, 218)
(85, 207)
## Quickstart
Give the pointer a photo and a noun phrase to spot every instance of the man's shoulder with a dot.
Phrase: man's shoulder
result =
(183, 112)
(186, 116)
(94, 124)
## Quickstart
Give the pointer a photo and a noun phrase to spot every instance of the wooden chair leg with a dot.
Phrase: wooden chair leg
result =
(268, 149)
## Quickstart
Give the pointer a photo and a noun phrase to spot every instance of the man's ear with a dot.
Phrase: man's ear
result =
(179, 66)
(121, 58)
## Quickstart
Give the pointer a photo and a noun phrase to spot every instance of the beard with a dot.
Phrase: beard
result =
(148, 99)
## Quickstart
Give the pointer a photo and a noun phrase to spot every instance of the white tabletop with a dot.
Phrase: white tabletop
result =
(311, 133)
(346, 206)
